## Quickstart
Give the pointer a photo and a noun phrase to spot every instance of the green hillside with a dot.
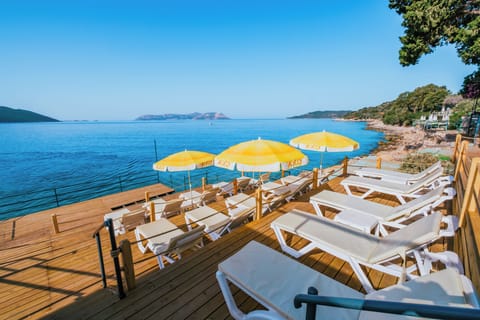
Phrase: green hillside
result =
(407, 107)
(321, 114)
(19, 115)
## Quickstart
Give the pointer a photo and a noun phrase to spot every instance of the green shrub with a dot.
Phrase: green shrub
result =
(417, 162)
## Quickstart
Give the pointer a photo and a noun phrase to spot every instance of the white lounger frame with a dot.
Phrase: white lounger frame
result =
(288, 285)
(423, 258)
(401, 191)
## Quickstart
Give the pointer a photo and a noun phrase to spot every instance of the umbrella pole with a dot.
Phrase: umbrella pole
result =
(321, 163)
(190, 185)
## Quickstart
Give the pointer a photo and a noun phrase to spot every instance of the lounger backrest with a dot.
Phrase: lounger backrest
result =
(186, 240)
(243, 183)
(228, 188)
(276, 201)
(300, 186)
(306, 174)
(427, 180)
(412, 236)
(423, 173)
(209, 196)
(416, 204)
(133, 219)
(239, 218)
(172, 206)
(328, 234)
(264, 177)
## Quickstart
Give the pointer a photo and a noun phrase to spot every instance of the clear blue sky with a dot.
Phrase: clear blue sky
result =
(116, 60)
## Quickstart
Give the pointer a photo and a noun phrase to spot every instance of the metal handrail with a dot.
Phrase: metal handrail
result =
(401, 308)
(96, 235)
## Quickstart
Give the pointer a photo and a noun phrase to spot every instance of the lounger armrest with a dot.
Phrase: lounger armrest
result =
(452, 226)
(450, 193)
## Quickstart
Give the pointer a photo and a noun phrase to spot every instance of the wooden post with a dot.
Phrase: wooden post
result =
(235, 186)
(152, 211)
(258, 213)
(55, 223)
(458, 140)
(345, 166)
(283, 173)
(127, 260)
(379, 163)
(147, 196)
(315, 179)
(473, 185)
(461, 159)
(204, 183)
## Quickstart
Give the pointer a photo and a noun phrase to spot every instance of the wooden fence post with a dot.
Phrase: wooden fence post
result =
(345, 166)
(258, 212)
(152, 211)
(235, 186)
(379, 163)
(315, 179)
(473, 186)
(55, 223)
(461, 159)
(147, 196)
(128, 268)
(204, 183)
(458, 140)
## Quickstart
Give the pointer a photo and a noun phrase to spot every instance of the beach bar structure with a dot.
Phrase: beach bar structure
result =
(51, 267)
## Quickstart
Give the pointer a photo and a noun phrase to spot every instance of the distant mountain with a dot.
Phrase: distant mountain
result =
(19, 115)
(321, 114)
(190, 116)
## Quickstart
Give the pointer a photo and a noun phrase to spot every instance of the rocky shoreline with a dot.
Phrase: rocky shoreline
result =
(401, 141)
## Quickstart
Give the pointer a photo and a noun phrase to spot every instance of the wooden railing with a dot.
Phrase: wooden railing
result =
(467, 208)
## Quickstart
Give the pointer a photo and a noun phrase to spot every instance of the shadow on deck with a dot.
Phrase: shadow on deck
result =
(188, 289)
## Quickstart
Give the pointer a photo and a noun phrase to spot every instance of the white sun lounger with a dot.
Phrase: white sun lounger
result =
(385, 215)
(395, 176)
(401, 191)
(359, 248)
(166, 240)
(216, 223)
(242, 200)
(273, 280)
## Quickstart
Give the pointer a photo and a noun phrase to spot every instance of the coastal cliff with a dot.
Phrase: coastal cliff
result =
(19, 115)
(190, 116)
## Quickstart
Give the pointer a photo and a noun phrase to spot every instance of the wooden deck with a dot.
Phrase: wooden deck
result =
(57, 276)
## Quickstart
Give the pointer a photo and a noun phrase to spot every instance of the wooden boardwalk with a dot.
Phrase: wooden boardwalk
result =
(41, 271)
(57, 276)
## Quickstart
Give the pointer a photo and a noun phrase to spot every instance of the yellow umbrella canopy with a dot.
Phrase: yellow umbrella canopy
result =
(260, 156)
(324, 142)
(185, 161)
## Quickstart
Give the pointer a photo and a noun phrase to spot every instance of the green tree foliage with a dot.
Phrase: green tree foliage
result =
(471, 86)
(432, 23)
(461, 109)
(407, 107)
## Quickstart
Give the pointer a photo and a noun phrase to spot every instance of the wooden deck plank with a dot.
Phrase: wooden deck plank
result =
(43, 274)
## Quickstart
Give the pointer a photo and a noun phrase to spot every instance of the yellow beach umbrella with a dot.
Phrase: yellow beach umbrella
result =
(324, 142)
(260, 156)
(185, 161)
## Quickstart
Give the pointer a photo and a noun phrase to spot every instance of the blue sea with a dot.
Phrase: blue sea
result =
(44, 165)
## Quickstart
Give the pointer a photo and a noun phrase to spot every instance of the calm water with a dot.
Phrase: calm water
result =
(92, 155)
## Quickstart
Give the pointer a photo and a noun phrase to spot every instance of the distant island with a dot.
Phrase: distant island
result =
(321, 114)
(19, 115)
(189, 116)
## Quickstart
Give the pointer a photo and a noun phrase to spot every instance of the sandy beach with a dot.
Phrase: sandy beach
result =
(401, 141)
